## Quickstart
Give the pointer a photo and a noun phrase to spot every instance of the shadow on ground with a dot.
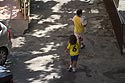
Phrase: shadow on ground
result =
(39, 56)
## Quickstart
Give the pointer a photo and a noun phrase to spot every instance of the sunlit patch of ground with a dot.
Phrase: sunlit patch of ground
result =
(121, 5)
(52, 19)
(43, 33)
(40, 64)
(6, 12)
(9, 9)
(49, 47)
(20, 41)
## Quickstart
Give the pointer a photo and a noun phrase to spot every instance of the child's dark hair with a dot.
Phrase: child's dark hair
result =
(79, 12)
(72, 39)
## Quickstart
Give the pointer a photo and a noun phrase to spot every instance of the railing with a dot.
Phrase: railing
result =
(25, 7)
(116, 20)
(122, 18)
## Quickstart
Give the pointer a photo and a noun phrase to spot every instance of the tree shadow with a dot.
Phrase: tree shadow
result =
(41, 55)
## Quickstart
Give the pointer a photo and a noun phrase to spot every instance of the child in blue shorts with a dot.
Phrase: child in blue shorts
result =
(73, 47)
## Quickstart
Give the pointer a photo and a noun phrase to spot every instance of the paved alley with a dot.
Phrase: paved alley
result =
(38, 56)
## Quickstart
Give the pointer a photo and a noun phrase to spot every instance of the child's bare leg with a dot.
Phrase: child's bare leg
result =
(74, 65)
(70, 67)
(81, 42)
(71, 63)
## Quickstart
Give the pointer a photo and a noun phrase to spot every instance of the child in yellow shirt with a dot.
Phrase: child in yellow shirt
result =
(73, 47)
(79, 27)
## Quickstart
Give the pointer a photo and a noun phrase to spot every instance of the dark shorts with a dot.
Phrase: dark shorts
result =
(74, 58)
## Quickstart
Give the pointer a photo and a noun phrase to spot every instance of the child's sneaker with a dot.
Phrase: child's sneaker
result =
(74, 69)
(70, 69)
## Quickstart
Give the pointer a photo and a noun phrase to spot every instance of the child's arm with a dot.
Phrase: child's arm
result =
(66, 50)
(79, 43)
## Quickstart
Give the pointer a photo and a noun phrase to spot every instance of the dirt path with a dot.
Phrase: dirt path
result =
(38, 56)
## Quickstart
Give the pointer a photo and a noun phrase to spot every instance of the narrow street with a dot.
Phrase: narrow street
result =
(38, 56)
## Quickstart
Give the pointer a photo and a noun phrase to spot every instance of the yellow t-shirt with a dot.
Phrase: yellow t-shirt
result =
(73, 49)
(78, 27)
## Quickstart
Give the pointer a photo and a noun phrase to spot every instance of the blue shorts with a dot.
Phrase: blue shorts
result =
(74, 58)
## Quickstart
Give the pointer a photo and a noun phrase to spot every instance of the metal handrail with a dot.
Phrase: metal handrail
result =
(116, 21)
